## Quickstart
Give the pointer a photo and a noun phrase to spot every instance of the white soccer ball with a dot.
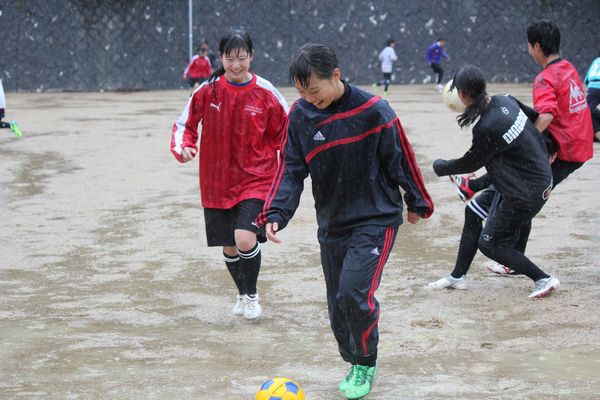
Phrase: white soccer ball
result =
(451, 98)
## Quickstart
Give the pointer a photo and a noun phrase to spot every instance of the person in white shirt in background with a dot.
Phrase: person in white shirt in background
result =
(387, 58)
(9, 125)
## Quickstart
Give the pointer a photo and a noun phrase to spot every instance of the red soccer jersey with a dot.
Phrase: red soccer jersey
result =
(199, 67)
(242, 127)
(558, 90)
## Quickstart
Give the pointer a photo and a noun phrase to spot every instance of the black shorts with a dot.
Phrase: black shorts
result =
(221, 223)
(193, 81)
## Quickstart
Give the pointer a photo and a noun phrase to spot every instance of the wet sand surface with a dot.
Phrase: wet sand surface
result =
(108, 291)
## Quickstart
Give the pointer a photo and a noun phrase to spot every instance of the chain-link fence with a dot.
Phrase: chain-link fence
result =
(143, 44)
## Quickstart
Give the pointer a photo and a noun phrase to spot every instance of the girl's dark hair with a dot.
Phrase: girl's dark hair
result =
(312, 57)
(389, 42)
(234, 41)
(471, 82)
(547, 34)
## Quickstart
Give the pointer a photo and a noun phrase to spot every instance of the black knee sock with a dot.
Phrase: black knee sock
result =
(250, 263)
(233, 265)
(468, 243)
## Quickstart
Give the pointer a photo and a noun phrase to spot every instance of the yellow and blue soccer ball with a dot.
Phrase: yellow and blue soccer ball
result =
(280, 389)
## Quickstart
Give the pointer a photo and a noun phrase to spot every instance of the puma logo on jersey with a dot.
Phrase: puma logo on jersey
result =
(318, 136)
(375, 251)
(217, 106)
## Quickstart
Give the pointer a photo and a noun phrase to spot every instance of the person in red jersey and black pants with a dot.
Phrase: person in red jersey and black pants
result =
(352, 145)
(199, 68)
(243, 118)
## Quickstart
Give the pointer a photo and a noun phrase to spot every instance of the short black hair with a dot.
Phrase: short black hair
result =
(389, 42)
(546, 34)
(312, 58)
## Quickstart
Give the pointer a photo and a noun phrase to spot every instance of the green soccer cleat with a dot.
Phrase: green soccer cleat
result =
(15, 129)
(344, 382)
(361, 383)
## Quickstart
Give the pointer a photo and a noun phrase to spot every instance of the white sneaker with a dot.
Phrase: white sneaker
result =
(252, 308)
(545, 286)
(439, 87)
(449, 282)
(238, 309)
(499, 269)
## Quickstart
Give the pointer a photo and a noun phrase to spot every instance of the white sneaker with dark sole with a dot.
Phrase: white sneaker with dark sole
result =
(252, 308)
(449, 282)
(238, 309)
(545, 286)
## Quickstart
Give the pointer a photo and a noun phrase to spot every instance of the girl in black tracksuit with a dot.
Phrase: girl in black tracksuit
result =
(353, 147)
(515, 157)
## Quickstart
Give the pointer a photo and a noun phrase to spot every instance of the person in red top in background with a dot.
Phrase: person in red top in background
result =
(243, 119)
(199, 69)
(559, 97)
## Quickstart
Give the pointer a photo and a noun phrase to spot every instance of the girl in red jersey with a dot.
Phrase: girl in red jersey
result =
(199, 69)
(243, 118)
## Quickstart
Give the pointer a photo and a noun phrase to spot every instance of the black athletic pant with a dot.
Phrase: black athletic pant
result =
(502, 230)
(593, 98)
(478, 209)
(2, 123)
(352, 263)
(596, 121)
(387, 78)
(437, 68)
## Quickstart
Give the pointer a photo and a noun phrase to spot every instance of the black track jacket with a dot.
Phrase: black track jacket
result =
(510, 147)
(357, 155)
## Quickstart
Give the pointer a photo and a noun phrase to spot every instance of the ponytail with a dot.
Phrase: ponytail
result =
(471, 82)
(473, 110)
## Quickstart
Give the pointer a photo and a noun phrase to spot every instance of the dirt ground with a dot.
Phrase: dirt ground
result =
(108, 291)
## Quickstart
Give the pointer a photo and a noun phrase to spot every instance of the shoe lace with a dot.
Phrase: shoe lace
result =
(350, 373)
(360, 375)
(251, 301)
